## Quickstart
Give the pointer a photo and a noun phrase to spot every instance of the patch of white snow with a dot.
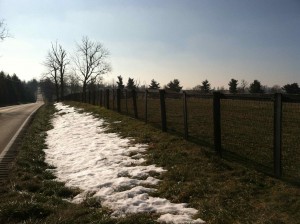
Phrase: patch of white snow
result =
(99, 163)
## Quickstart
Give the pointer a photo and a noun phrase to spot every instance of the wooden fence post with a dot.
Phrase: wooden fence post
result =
(185, 116)
(134, 103)
(277, 134)
(217, 122)
(146, 106)
(163, 110)
(119, 100)
(107, 98)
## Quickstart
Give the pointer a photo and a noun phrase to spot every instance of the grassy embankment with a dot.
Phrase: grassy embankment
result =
(223, 192)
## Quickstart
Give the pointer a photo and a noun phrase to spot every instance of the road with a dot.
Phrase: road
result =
(11, 119)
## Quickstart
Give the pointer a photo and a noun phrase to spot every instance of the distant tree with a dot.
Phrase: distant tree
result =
(120, 84)
(197, 88)
(33, 85)
(276, 89)
(14, 91)
(256, 87)
(174, 86)
(154, 84)
(131, 85)
(59, 55)
(221, 89)
(31, 90)
(53, 72)
(291, 88)
(142, 87)
(243, 86)
(205, 86)
(47, 89)
(90, 61)
(73, 83)
(233, 86)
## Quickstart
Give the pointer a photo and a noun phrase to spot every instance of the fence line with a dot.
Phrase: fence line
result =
(142, 100)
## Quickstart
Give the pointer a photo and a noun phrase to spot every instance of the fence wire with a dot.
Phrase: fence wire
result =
(247, 131)
(174, 112)
(200, 119)
(247, 123)
(153, 109)
(291, 140)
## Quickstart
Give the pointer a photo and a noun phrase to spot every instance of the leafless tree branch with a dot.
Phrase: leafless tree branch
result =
(90, 61)
(3, 30)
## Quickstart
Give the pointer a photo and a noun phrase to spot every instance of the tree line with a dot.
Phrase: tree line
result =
(14, 91)
(205, 87)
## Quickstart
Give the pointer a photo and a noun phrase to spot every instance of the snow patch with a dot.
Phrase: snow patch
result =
(100, 164)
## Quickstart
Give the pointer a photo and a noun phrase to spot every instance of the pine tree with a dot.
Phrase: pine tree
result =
(174, 86)
(154, 85)
(256, 87)
(233, 86)
(205, 86)
(120, 82)
(131, 84)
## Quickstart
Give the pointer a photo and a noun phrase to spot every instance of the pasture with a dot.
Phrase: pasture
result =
(247, 125)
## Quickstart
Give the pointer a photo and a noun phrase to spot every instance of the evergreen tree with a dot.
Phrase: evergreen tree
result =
(233, 86)
(14, 91)
(131, 84)
(154, 85)
(256, 87)
(174, 86)
(205, 86)
(291, 88)
(120, 82)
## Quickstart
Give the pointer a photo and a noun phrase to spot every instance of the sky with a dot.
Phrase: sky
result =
(190, 40)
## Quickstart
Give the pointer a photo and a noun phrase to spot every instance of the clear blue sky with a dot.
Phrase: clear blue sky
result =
(190, 40)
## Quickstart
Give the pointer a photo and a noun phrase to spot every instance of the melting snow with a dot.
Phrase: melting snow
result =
(107, 167)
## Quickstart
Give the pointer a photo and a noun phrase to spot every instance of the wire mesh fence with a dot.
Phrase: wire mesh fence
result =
(247, 131)
(247, 123)
(291, 140)
(200, 119)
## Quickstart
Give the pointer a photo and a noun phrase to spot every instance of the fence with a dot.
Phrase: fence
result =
(261, 131)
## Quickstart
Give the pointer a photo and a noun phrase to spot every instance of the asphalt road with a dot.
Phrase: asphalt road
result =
(12, 118)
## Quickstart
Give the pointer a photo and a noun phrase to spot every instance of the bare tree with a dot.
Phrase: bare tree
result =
(243, 86)
(3, 30)
(53, 68)
(90, 61)
(56, 62)
(73, 82)
(60, 58)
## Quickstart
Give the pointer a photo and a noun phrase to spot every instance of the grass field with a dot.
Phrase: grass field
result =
(247, 128)
(222, 191)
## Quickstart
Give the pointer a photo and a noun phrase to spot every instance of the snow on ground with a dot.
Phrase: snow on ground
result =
(107, 167)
